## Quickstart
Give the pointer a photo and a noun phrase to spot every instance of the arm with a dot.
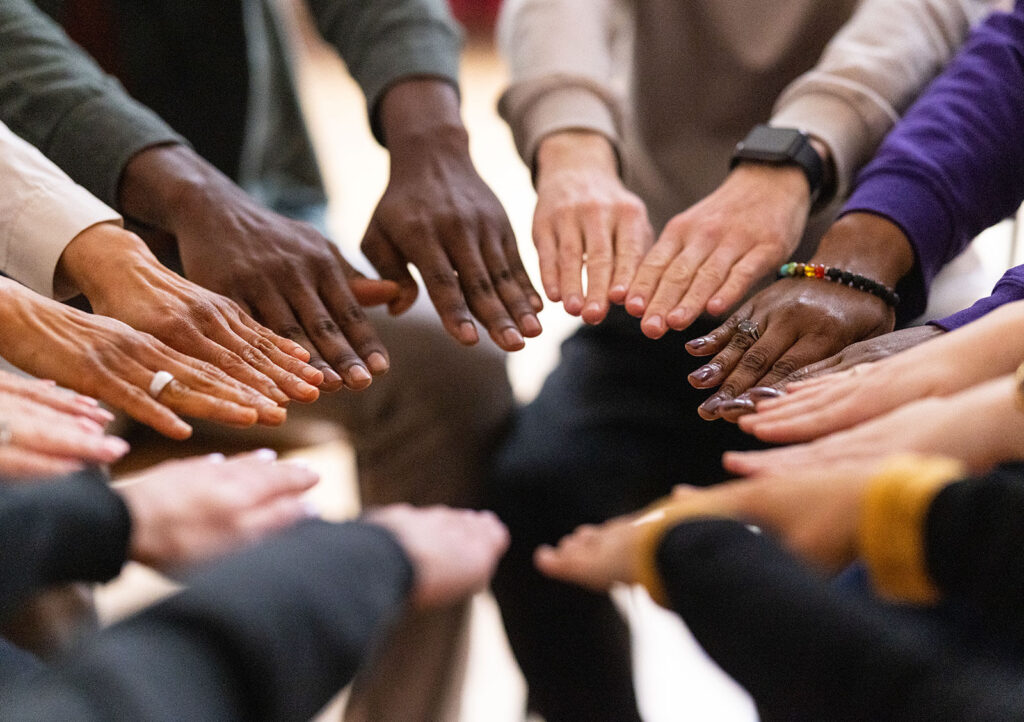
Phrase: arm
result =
(436, 213)
(949, 190)
(71, 529)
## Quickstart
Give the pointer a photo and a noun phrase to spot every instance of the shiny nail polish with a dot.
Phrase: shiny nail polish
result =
(697, 343)
(711, 405)
(704, 373)
(763, 392)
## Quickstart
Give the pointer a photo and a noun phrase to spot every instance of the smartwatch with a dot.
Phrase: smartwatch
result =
(782, 146)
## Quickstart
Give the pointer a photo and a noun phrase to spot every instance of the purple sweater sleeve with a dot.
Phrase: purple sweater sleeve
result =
(1010, 288)
(955, 164)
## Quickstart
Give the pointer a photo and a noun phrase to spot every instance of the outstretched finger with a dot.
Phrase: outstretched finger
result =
(515, 299)
(391, 266)
(633, 237)
(741, 277)
(23, 463)
(546, 242)
(600, 257)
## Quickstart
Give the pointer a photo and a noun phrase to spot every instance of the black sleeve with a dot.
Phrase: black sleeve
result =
(974, 544)
(70, 529)
(270, 634)
(807, 652)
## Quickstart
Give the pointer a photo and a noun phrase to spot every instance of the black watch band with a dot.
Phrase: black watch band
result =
(782, 146)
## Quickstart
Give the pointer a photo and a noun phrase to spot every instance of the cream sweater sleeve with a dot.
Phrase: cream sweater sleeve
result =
(873, 70)
(561, 56)
(41, 212)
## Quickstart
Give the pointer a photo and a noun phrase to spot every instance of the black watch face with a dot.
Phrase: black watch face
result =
(779, 142)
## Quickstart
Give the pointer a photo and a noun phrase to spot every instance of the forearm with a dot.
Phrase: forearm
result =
(53, 95)
(54, 531)
(420, 117)
(864, 81)
(270, 634)
(559, 80)
(805, 651)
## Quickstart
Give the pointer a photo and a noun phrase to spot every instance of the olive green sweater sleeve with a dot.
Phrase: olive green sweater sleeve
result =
(55, 97)
(385, 41)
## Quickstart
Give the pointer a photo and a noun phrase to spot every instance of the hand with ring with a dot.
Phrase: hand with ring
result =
(106, 359)
(788, 325)
(47, 392)
(37, 439)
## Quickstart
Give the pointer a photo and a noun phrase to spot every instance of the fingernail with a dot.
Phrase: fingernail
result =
(654, 324)
(311, 375)
(104, 414)
(763, 392)
(273, 415)
(467, 332)
(593, 308)
(512, 337)
(711, 405)
(216, 458)
(87, 401)
(309, 509)
(265, 454)
(530, 325)
(618, 290)
(635, 305)
(704, 373)
(678, 317)
(114, 445)
(697, 343)
(737, 404)
(359, 374)
(300, 462)
(88, 424)
(574, 304)
(277, 395)
(377, 363)
(331, 376)
(304, 389)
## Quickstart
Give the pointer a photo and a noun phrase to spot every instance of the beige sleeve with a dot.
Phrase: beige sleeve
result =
(873, 70)
(562, 56)
(41, 212)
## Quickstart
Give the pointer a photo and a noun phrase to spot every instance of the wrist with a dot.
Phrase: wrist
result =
(422, 114)
(576, 149)
(869, 245)
(102, 260)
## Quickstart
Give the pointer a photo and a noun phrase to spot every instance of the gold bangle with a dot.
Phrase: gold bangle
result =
(1020, 387)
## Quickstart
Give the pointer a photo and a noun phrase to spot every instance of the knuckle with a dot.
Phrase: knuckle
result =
(291, 332)
(753, 360)
(324, 326)
(786, 367)
(264, 345)
(502, 275)
(443, 279)
(350, 314)
(477, 285)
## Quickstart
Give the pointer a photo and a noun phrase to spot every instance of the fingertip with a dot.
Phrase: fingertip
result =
(530, 326)
(636, 306)
(466, 333)
(357, 377)
(653, 327)
(594, 313)
(573, 305)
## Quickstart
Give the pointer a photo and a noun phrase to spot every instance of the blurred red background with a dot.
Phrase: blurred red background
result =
(476, 14)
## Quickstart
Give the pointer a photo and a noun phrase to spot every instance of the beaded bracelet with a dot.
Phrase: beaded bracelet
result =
(838, 275)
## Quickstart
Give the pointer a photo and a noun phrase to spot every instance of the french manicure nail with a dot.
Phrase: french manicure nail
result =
(377, 363)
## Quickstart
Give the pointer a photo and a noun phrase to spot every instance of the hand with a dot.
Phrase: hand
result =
(708, 257)
(185, 512)
(37, 439)
(453, 552)
(122, 279)
(47, 393)
(980, 426)
(862, 352)
(800, 321)
(586, 217)
(284, 273)
(595, 556)
(440, 216)
(841, 399)
(106, 359)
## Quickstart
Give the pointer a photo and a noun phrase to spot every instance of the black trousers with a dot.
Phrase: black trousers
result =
(614, 427)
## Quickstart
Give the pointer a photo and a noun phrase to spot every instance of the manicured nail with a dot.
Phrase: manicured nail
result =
(737, 404)
(711, 405)
(704, 373)
(512, 337)
(359, 374)
(763, 392)
(697, 343)
(377, 362)
(530, 325)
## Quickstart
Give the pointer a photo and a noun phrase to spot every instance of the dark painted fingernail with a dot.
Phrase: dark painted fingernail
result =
(737, 404)
(711, 405)
(763, 392)
(697, 343)
(704, 373)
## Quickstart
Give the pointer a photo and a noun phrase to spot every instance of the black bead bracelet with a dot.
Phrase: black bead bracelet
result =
(838, 275)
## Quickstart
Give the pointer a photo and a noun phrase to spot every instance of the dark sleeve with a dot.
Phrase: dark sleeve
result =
(955, 164)
(71, 529)
(807, 652)
(974, 544)
(383, 41)
(270, 634)
(55, 97)
(1008, 289)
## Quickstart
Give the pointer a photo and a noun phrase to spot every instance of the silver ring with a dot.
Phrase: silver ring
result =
(6, 435)
(159, 382)
(749, 327)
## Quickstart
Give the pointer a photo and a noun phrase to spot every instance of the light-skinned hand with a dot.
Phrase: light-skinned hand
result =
(438, 215)
(37, 439)
(709, 256)
(980, 426)
(108, 360)
(186, 512)
(453, 551)
(585, 218)
(47, 393)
